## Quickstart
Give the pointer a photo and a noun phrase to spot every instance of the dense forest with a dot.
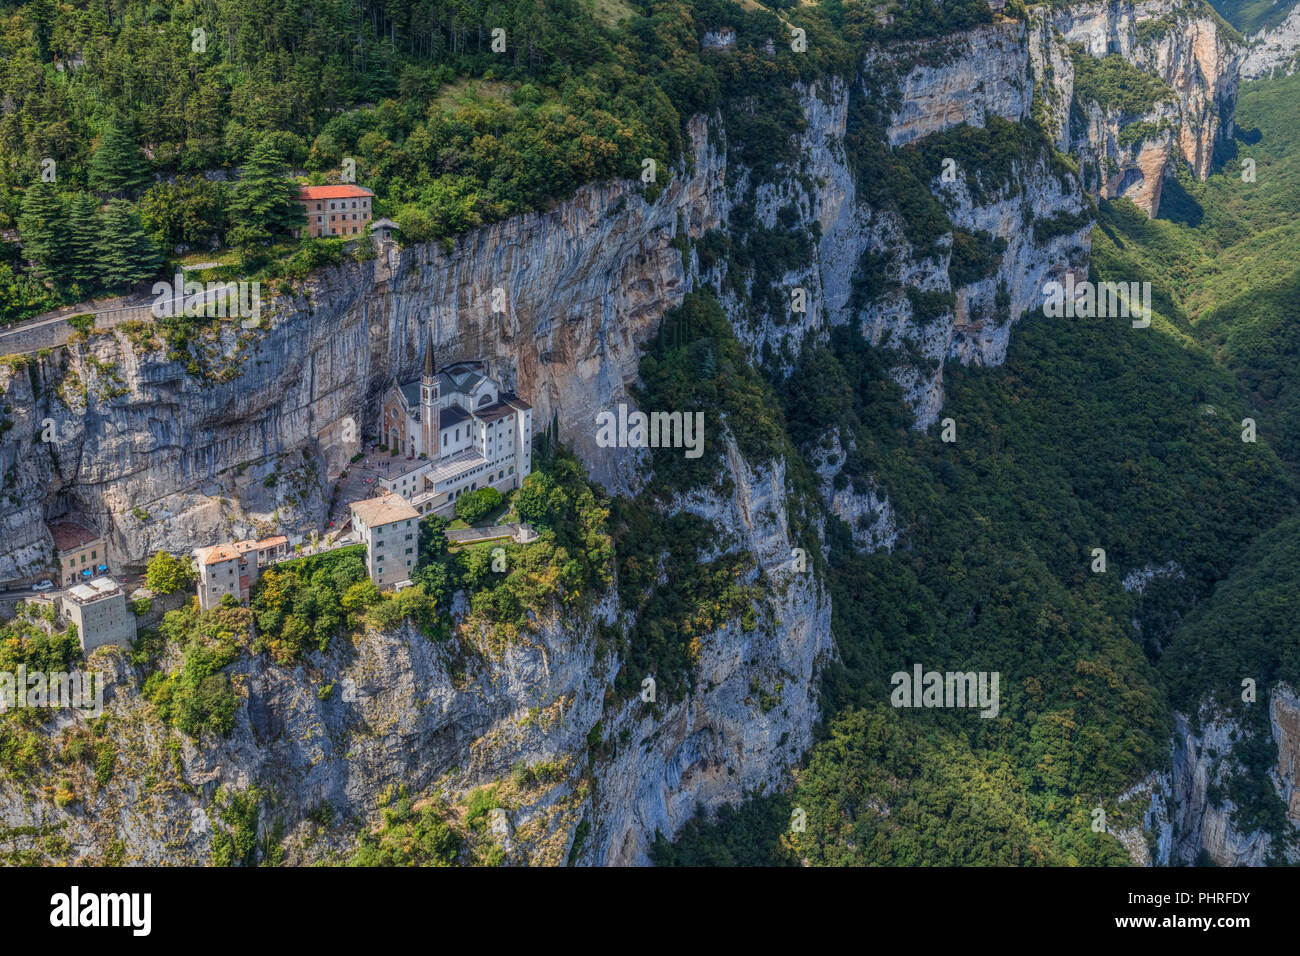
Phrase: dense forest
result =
(1087, 437)
(130, 130)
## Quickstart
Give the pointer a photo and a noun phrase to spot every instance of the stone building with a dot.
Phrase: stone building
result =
(390, 529)
(100, 611)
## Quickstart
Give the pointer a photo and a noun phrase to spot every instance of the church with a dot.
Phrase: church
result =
(458, 430)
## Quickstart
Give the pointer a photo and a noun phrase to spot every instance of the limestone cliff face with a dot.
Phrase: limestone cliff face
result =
(346, 729)
(756, 697)
(1178, 42)
(984, 73)
(980, 73)
(1187, 809)
(865, 509)
(157, 458)
(1274, 52)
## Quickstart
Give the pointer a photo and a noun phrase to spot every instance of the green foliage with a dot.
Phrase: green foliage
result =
(570, 561)
(750, 836)
(1115, 84)
(679, 598)
(694, 364)
(105, 760)
(991, 159)
(1061, 223)
(1243, 18)
(21, 295)
(239, 811)
(761, 256)
(117, 166)
(928, 306)
(298, 604)
(264, 202)
(946, 805)
(24, 644)
(166, 574)
(475, 505)
(409, 837)
(1254, 604)
(124, 254)
(200, 697)
(974, 256)
(190, 211)
(1134, 133)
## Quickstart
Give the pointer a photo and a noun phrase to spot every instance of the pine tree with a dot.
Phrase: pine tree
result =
(125, 253)
(44, 236)
(83, 240)
(118, 167)
(265, 201)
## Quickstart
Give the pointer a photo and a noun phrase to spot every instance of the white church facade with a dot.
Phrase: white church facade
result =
(458, 431)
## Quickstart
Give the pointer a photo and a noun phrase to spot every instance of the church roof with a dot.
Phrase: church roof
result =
(492, 412)
(411, 392)
(451, 415)
(462, 377)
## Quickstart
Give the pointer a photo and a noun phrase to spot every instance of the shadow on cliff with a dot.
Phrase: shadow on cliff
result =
(1177, 205)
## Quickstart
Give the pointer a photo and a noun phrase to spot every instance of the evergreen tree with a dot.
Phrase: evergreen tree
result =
(118, 167)
(125, 253)
(83, 240)
(44, 236)
(265, 200)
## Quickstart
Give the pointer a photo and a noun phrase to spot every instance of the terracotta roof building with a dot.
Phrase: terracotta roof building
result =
(79, 551)
(342, 210)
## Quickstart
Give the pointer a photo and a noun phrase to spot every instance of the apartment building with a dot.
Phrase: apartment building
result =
(233, 567)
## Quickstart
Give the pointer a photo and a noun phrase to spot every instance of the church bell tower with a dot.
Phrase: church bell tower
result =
(429, 397)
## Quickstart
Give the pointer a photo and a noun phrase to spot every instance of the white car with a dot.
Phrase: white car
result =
(42, 585)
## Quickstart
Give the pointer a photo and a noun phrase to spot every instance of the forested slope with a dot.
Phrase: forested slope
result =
(1093, 434)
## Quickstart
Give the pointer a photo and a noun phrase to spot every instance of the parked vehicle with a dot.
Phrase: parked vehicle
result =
(42, 585)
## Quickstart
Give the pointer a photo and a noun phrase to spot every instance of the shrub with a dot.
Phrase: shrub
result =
(476, 504)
